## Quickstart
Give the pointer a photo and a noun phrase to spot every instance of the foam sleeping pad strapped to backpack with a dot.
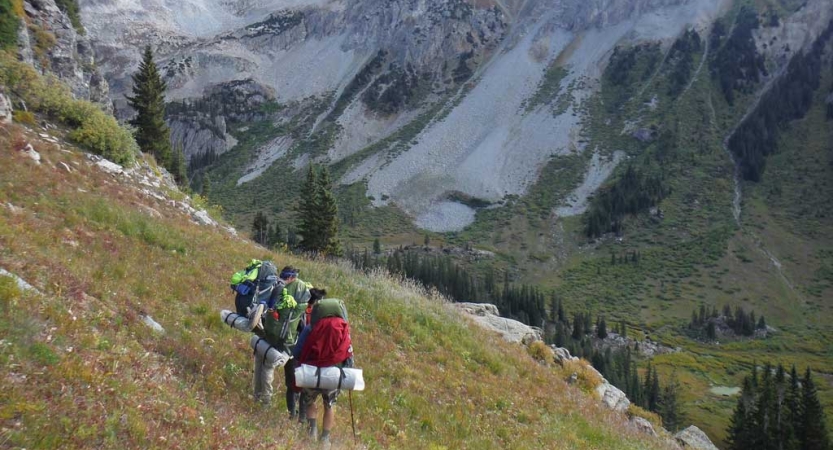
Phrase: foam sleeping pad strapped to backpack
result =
(328, 307)
(236, 321)
(329, 378)
(272, 356)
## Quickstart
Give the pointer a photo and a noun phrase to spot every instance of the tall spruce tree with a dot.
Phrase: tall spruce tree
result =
(179, 166)
(328, 215)
(813, 433)
(307, 209)
(260, 229)
(148, 100)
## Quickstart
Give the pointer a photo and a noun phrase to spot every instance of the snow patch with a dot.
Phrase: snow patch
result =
(596, 175)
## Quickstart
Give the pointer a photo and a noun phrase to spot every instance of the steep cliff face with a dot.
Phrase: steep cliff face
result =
(49, 41)
(463, 73)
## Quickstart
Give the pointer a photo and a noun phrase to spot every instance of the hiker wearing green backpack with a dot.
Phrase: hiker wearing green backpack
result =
(281, 323)
(324, 342)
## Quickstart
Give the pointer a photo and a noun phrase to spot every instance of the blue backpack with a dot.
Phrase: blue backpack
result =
(253, 284)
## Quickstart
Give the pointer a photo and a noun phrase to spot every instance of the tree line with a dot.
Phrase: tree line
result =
(522, 303)
(633, 192)
(789, 99)
(740, 322)
(776, 411)
(618, 366)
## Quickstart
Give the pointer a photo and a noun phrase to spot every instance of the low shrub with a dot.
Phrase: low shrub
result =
(540, 352)
(93, 129)
(24, 117)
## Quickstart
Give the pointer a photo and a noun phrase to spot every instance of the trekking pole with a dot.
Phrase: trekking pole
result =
(352, 421)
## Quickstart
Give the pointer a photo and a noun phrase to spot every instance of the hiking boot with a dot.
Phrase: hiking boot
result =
(254, 316)
(325, 442)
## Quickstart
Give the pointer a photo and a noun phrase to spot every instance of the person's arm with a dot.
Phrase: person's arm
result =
(299, 345)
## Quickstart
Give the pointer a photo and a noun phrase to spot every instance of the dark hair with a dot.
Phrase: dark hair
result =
(288, 272)
(316, 294)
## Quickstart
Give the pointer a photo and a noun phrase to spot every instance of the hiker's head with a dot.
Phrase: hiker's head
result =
(316, 294)
(289, 274)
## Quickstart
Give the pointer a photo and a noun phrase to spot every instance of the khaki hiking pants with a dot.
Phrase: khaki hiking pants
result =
(263, 376)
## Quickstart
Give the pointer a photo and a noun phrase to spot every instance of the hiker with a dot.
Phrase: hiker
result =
(301, 293)
(272, 329)
(315, 295)
(324, 342)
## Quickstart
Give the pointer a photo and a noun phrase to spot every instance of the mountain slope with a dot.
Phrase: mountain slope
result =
(82, 369)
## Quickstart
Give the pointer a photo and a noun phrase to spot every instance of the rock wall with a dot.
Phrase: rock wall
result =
(48, 40)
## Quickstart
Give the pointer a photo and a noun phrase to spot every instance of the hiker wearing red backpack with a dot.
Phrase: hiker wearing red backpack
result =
(324, 342)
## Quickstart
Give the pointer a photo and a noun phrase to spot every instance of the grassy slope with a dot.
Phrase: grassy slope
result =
(81, 369)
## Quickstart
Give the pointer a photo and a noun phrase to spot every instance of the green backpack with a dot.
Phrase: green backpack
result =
(328, 307)
(280, 327)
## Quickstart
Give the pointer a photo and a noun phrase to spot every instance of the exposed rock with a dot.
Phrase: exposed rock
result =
(487, 315)
(613, 397)
(70, 57)
(5, 108)
(30, 151)
(154, 325)
(21, 283)
(643, 425)
(644, 134)
(561, 354)
(109, 167)
(694, 438)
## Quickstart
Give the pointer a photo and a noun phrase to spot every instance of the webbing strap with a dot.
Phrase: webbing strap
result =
(318, 377)
(341, 377)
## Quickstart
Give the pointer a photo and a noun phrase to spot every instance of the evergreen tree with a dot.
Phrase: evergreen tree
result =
(308, 212)
(260, 229)
(179, 167)
(623, 327)
(601, 330)
(205, 191)
(276, 236)
(669, 408)
(813, 433)
(741, 428)
(328, 215)
(148, 100)
(377, 247)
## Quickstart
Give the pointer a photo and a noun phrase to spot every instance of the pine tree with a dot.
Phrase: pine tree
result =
(377, 247)
(206, 186)
(308, 212)
(669, 408)
(813, 433)
(260, 229)
(741, 429)
(601, 330)
(328, 215)
(276, 236)
(179, 167)
(148, 100)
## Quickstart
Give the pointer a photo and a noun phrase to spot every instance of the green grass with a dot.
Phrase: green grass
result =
(82, 370)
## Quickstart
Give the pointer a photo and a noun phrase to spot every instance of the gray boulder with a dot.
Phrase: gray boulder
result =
(694, 438)
(487, 316)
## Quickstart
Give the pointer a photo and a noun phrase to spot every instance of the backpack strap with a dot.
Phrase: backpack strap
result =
(317, 377)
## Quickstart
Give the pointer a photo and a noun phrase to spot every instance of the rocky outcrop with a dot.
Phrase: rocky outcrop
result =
(488, 316)
(5, 108)
(201, 126)
(51, 43)
(694, 438)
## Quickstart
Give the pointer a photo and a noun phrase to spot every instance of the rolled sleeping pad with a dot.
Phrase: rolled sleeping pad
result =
(272, 356)
(333, 377)
(236, 321)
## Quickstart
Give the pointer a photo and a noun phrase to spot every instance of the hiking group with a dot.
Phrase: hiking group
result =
(294, 325)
